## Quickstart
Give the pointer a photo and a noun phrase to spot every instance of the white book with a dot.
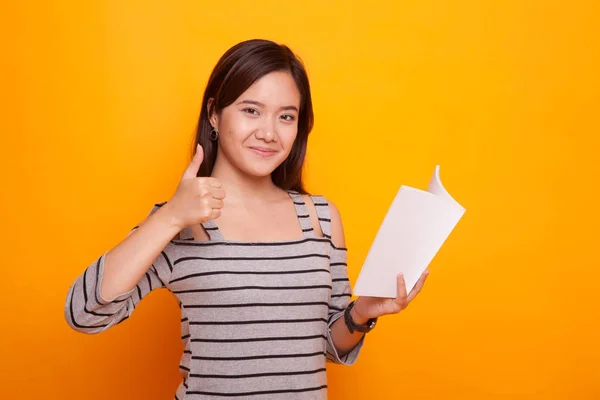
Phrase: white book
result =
(415, 227)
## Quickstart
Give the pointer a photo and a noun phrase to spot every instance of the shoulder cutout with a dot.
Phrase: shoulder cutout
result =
(337, 228)
(199, 234)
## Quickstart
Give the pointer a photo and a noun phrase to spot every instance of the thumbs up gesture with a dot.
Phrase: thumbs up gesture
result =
(196, 200)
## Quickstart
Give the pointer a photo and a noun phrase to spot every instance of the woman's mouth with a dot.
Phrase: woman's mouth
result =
(263, 151)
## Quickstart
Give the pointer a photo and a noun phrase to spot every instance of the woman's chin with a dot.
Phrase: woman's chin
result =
(261, 168)
(259, 171)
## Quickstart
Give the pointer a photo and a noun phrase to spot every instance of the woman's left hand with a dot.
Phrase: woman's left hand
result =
(373, 307)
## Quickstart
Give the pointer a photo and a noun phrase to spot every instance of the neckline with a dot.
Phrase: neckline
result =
(194, 242)
(216, 237)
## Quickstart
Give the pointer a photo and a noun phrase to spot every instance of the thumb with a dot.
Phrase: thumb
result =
(192, 169)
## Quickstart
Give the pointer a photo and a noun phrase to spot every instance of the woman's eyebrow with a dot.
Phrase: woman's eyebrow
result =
(259, 104)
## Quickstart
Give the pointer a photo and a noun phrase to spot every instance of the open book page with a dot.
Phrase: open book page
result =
(415, 227)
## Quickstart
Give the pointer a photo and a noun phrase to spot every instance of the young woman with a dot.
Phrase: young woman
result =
(257, 264)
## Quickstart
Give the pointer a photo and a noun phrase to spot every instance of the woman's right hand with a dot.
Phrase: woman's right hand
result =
(197, 199)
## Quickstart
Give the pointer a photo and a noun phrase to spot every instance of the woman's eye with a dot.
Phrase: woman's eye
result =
(252, 111)
(288, 117)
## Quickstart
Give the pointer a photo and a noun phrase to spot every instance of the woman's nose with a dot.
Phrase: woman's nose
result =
(267, 131)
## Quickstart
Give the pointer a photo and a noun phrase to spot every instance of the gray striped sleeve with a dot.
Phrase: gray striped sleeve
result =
(340, 298)
(341, 292)
(87, 312)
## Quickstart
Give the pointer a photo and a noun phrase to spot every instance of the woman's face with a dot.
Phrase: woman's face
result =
(257, 131)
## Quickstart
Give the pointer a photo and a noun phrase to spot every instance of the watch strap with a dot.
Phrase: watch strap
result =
(353, 326)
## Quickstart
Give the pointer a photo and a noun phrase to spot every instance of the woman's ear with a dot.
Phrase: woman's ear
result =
(212, 115)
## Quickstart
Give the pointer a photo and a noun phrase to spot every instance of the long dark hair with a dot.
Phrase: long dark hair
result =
(235, 72)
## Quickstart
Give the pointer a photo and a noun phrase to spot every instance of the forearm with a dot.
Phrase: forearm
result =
(343, 340)
(126, 263)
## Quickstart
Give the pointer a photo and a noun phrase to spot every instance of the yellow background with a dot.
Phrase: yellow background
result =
(99, 104)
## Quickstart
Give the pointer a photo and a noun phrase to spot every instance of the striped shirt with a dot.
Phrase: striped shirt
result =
(255, 316)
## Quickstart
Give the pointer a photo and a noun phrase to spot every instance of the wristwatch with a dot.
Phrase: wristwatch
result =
(353, 326)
